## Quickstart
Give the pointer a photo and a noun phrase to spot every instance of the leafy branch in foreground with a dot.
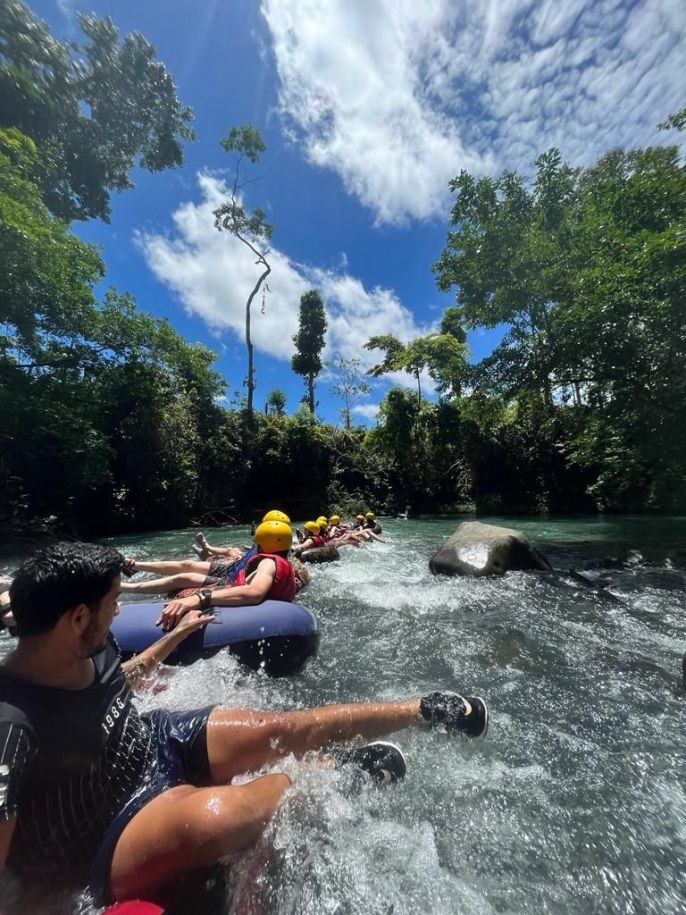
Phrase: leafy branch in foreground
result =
(94, 109)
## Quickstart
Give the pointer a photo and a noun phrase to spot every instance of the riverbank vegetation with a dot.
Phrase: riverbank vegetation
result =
(112, 422)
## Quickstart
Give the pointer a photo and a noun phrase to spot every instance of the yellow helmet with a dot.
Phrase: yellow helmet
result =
(359, 518)
(321, 521)
(335, 519)
(273, 537)
(369, 516)
(312, 527)
(276, 515)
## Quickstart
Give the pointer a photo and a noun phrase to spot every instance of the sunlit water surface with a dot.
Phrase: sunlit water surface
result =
(576, 801)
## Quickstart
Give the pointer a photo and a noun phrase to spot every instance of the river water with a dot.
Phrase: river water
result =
(575, 802)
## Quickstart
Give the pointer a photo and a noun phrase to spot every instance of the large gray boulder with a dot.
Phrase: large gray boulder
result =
(483, 549)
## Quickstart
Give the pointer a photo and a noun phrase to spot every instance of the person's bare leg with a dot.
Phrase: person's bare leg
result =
(185, 829)
(229, 552)
(172, 567)
(343, 541)
(164, 585)
(244, 740)
(301, 547)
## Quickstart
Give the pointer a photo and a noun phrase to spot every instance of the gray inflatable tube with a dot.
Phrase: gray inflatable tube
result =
(274, 636)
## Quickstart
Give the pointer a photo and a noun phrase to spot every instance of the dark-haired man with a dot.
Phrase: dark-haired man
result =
(94, 793)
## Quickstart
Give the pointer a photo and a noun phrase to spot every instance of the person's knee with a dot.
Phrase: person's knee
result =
(187, 565)
(210, 827)
(176, 581)
(227, 819)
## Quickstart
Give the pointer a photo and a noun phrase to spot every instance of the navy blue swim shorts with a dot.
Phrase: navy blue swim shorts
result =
(181, 743)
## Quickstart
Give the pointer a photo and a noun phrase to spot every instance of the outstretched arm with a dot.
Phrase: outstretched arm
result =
(136, 668)
(252, 592)
(301, 547)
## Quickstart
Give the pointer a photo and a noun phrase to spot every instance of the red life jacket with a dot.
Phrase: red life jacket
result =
(317, 541)
(283, 587)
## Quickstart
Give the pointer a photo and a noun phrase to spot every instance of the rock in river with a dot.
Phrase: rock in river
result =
(484, 549)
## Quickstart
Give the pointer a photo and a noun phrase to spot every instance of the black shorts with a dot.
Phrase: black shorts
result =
(181, 759)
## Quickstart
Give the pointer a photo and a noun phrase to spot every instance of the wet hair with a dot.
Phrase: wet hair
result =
(58, 578)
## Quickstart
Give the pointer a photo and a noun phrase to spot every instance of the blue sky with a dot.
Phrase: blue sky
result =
(368, 108)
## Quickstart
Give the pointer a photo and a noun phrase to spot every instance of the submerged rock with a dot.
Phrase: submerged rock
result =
(484, 549)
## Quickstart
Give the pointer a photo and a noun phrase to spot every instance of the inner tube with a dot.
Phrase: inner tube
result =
(134, 907)
(274, 636)
(321, 554)
(376, 529)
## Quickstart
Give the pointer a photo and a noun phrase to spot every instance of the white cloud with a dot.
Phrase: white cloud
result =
(397, 96)
(212, 273)
(366, 410)
(67, 7)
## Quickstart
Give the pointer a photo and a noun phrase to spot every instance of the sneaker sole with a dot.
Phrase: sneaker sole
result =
(388, 773)
(486, 718)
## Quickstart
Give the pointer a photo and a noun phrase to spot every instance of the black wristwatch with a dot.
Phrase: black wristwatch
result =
(205, 600)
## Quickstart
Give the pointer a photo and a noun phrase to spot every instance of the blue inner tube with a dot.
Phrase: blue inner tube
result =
(274, 636)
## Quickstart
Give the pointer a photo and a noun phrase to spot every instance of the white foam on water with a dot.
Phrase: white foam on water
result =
(574, 803)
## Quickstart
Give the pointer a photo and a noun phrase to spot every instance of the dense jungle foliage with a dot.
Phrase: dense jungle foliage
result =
(111, 421)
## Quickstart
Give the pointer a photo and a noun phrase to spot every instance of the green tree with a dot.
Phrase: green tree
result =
(445, 356)
(349, 386)
(442, 355)
(46, 274)
(396, 436)
(399, 357)
(510, 253)
(245, 144)
(625, 329)
(587, 269)
(104, 408)
(309, 341)
(676, 121)
(94, 109)
(275, 402)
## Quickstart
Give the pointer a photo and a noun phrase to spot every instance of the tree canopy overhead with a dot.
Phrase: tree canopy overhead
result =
(588, 270)
(94, 109)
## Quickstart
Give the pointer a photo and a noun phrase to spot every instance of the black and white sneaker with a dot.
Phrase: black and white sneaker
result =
(383, 761)
(467, 715)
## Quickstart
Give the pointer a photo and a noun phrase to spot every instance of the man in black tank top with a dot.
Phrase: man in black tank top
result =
(92, 793)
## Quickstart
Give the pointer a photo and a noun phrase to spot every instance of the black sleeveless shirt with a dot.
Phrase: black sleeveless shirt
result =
(69, 762)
